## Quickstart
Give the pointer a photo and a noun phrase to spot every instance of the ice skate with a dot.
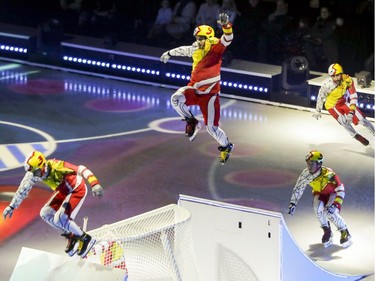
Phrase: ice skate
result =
(192, 128)
(86, 243)
(72, 246)
(361, 139)
(327, 238)
(225, 153)
(346, 238)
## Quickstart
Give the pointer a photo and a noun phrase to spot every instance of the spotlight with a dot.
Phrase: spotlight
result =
(363, 79)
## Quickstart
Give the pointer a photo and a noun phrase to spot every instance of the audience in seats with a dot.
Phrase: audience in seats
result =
(163, 18)
(184, 13)
(248, 23)
(207, 13)
(230, 8)
(263, 33)
(274, 29)
(320, 44)
(70, 10)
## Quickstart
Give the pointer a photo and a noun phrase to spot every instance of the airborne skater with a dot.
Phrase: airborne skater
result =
(204, 86)
(69, 192)
(328, 196)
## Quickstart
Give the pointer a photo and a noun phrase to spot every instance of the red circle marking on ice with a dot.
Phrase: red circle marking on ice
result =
(261, 178)
(117, 105)
(39, 87)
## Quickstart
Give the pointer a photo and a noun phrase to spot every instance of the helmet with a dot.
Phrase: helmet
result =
(335, 69)
(204, 30)
(315, 155)
(34, 161)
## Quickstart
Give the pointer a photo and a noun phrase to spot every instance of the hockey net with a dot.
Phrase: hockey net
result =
(156, 245)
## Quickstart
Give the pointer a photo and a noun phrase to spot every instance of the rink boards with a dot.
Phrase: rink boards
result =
(231, 242)
(239, 243)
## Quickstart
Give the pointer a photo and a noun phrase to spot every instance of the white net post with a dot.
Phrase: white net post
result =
(156, 245)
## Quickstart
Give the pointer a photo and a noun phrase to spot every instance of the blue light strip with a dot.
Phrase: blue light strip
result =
(14, 49)
(223, 83)
(111, 65)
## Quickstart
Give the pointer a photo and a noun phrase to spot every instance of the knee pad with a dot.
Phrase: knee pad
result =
(342, 120)
(178, 97)
(211, 130)
(47, 213)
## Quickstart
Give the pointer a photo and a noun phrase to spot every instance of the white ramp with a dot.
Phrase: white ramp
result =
(42, 266)
(239, 243)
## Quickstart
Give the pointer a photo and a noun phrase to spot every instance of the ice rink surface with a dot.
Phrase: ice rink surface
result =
(131, 138)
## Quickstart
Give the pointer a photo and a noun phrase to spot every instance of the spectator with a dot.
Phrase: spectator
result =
(320, 43)
(230, 8)
(163, 18)
(249, 20)
(207, 13)
(104, 17)
(184, 13)
(274, 29)
(70, 11)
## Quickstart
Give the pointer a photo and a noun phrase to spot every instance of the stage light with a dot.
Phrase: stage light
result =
(294, 74)
(363, 79)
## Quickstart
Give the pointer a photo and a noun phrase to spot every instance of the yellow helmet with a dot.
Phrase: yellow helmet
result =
(315, 155)
(204, 30)
(335, 69)
(34, 161)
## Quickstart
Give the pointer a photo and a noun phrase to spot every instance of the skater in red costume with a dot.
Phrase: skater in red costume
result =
(204, 86)
(339, 96)
(328, 196)
(69, 191)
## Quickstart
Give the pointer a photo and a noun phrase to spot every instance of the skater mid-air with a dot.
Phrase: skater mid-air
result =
(69, 192)
(204, 86)
(328, 195)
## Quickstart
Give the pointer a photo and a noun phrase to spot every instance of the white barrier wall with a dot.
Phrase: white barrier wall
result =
(233, 243)
(42, 266)
(236, 243)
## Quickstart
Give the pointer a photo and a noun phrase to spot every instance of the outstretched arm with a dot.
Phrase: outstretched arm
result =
(97, 189)
(23, 190)
(303, 180)
(183, 51)
(227, 36)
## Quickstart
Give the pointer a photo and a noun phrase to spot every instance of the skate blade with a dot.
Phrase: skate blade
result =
(89, 246)
(197, 128)
(347, 244)
(328, 243)
(74, 250)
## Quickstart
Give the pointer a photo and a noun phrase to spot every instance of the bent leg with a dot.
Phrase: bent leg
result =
(179, 101)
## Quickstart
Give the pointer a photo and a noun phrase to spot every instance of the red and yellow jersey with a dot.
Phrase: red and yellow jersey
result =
(59, 175)
(324, 182)
(334, 93)
(65, 174)
(205, 75)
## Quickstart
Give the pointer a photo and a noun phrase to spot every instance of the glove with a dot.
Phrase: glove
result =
(331, 209)
(223, 19)
(165, 57)
(317, 114)
(97, 190)
(292, 208)
(8, 211)
(349, 117)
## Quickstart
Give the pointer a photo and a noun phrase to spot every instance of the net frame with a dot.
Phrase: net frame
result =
(156, 245)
